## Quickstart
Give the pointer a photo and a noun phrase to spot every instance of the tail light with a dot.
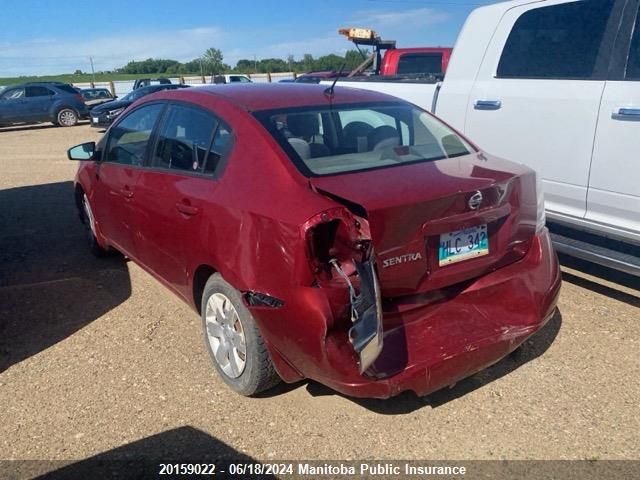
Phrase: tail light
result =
(336, 238)
(340, 255)
(79, 97)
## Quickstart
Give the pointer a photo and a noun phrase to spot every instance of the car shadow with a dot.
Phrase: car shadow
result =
(37, 126)
(50, 285)
(143, 459)
(19, 128)
(408, 402)
(604, 273)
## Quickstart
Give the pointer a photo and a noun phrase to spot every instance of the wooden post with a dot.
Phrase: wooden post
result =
(181, 79)
(112, 88)
(295, 75)
(269, 76)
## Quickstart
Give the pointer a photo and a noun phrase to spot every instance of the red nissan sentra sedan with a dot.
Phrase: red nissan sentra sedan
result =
(339, 235)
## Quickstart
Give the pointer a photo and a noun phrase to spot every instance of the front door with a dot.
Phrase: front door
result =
(118, 173)
(13, 106)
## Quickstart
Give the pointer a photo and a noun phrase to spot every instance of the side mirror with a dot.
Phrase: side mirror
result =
(84, 151)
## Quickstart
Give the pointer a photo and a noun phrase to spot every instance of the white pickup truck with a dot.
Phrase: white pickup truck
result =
(553, 84)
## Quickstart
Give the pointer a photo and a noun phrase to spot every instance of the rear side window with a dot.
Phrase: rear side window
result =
(129, 138)
(420, 63)
(559, 41)
(221, 145)
(633, 65)
(67, 89)
(190, 140)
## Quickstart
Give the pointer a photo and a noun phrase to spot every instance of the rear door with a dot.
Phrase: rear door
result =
(38, 102)
(537, 95)
(117, 175)
(173, 192)
(614, 184)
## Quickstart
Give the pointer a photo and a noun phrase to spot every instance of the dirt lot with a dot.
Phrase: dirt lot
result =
(96, 355)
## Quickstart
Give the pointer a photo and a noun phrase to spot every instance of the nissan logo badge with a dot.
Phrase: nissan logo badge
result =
(475, 201)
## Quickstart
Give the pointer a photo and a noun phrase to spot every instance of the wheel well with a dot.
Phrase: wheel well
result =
(200, 277)
(78, 198)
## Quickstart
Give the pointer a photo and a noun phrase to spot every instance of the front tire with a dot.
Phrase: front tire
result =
(89, 222)
(67, 117)
(233, 340)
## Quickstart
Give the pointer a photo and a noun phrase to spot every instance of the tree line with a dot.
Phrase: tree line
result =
(211, 63)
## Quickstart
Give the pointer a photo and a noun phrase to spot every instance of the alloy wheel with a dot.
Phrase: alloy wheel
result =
(226, 335)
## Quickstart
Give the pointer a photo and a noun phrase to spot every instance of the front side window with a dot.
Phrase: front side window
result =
(13, 94)
(361, 137)
(129, 138)
(185, 139)
(559, 41)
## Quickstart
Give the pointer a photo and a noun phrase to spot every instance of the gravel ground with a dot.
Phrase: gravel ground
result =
(96, 355)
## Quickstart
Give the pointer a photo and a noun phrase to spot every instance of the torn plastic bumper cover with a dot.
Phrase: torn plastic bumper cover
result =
(366, 314)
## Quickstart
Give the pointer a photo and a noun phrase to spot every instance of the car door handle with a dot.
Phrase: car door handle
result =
(126, 192)
(187, 209)
(626, 113)
(485, 104)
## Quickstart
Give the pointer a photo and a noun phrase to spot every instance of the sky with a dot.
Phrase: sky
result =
(46, 37)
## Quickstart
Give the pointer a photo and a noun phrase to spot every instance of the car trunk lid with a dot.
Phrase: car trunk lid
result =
(413, 209)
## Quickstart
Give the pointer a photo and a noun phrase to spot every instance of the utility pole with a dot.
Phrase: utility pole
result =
(93, 72)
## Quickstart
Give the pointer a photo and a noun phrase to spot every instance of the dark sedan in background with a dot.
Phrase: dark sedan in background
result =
(96, 96)
(103, 115)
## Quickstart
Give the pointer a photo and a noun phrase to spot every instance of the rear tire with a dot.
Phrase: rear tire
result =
(67, 117)
(233, 340)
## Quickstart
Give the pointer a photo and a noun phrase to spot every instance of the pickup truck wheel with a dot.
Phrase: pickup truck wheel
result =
(90, 226)
(233, 340)
(67, 117)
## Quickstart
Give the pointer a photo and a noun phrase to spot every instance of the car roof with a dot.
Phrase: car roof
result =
(39, 84)
(268, 96)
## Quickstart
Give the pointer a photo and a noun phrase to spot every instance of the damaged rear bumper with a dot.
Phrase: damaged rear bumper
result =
(366, 334)
(427, 342)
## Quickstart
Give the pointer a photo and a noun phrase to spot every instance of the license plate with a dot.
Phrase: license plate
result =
(462, 245)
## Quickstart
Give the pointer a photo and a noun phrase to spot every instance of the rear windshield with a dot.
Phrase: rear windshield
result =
(420, 63)
(349, 138)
